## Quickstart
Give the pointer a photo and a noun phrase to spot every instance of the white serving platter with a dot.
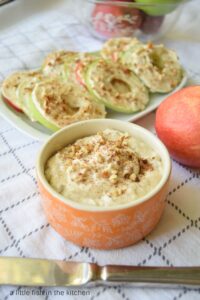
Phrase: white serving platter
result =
(38, 132)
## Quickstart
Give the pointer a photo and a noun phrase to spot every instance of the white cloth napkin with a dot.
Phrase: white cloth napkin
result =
(24, 230)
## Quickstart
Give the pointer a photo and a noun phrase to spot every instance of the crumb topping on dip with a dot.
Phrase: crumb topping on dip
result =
(107, 169)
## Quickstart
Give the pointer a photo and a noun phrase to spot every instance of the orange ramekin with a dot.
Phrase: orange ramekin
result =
(100, 227)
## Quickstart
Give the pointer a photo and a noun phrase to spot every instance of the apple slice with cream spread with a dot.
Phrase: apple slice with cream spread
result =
(56, 104)
(10, 86)
(116, 87)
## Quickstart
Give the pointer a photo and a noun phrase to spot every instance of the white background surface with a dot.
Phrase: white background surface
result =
(24, 230)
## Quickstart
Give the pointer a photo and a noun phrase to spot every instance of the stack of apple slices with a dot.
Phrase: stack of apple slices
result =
(10, 87)
(49, 96)
(50, 100)
(74, 86)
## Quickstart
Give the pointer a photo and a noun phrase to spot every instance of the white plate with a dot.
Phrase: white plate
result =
(38, 132)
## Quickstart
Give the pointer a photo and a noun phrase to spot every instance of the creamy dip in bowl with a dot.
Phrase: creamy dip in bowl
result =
(106, 169)
(103, 182)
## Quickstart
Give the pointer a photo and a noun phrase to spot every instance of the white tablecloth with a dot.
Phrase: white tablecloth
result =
(24, 230)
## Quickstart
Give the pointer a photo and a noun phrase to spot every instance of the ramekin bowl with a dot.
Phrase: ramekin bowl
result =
(100, 227)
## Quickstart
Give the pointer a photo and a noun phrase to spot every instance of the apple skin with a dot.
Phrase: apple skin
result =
(178, 125)
(151, 24)
(40, 118)
(158, 10)
(10, 103)
(113, 21)
(79, 67)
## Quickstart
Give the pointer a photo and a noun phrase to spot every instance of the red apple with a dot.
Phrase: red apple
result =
(178, 125)
(112, 21)
(151, 24)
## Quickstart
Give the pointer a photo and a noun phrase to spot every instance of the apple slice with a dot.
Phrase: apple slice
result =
(116, 87)
(83, 64)
(39, 117)
(24, 93)
(55, 61)
(56, 104)
(113, 48)
(74, 68)
(157, 67)
(10, 86)
(12, 105)
(69, 67)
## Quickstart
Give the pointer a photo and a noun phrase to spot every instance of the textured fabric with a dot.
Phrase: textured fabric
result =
(24, 230)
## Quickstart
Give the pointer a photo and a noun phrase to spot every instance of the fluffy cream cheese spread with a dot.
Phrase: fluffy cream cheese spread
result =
(107, 169)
